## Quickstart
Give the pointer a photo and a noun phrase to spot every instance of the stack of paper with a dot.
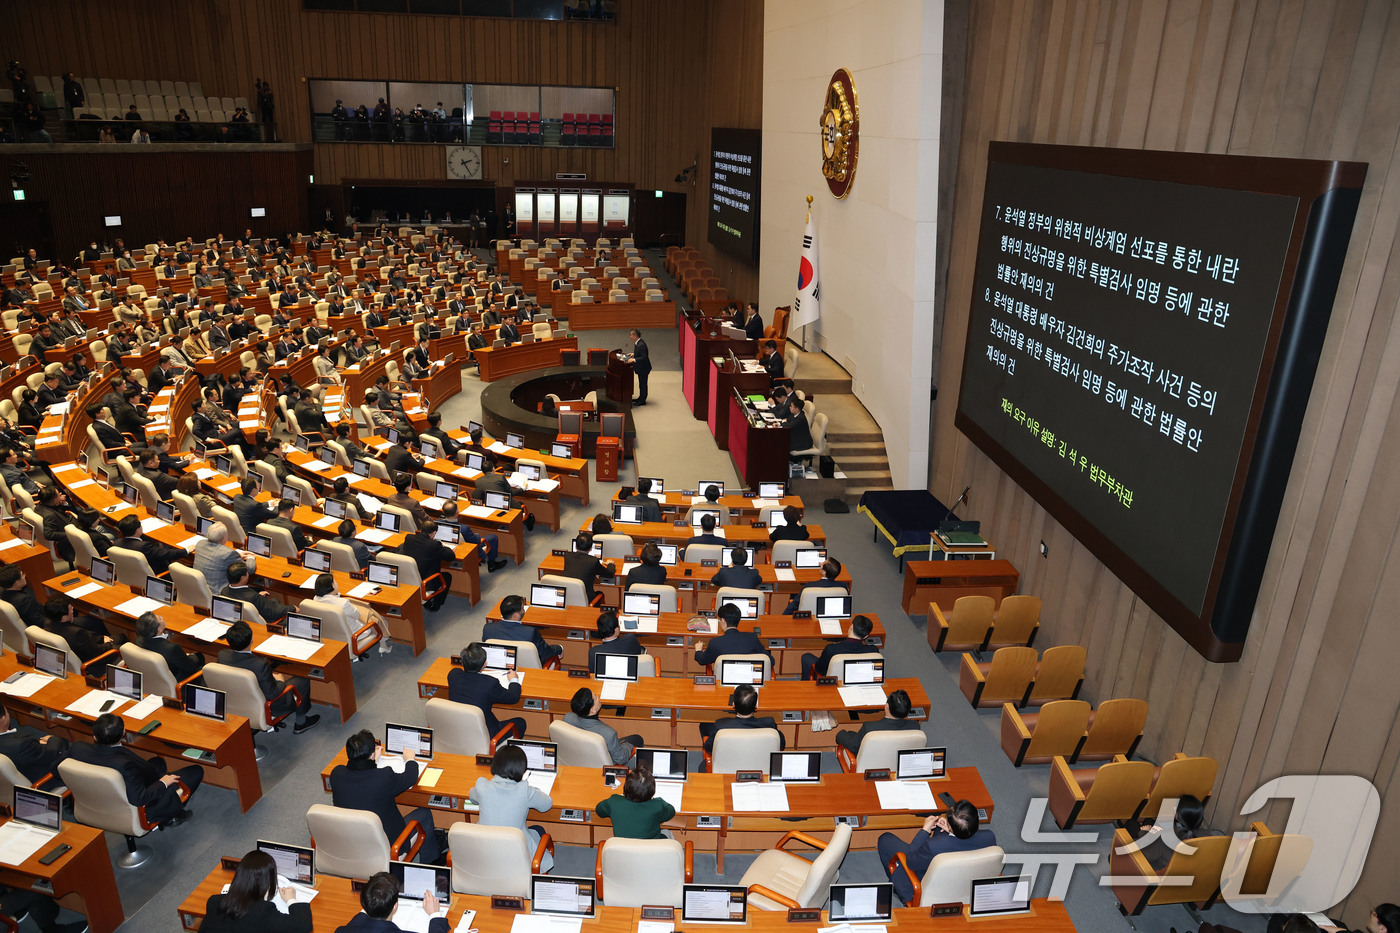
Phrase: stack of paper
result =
(285, 647)
(759, 797)
(137, 605)
(673, 792)
(18, 841)
(92, 703)
(410, 917)
(830, 626)
(542, 781)
(862, 695)
(905, 795)
(542, 923)
(362, 590)
(205, 472)
(468, 472)
(24, 685)
(146, 707)
(369, 505)
(497, 447)
(542, 485)
(375, 535)
(784, 574)
(149, 525)
(315, 466)
(765, 503)
(210, 630)
(78, 592)
(614, 691)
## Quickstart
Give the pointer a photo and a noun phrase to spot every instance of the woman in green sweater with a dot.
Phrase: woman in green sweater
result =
(636, 813)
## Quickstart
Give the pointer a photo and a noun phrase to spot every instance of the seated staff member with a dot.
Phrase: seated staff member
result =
(401, 499)
(251, 513)
(745, 702)
(149, 783)
(958, 830)
(213, 557)
(345, 534)
(159, 556)
(897, 707)
(492, 481)
(271, 609)
(831, 569)
(188, 485)
(34, 753)
(651, 509)
(286, 508)
(582, 565)
(649, 571)
(82, 637)
(738, 573)
(467, 684)
(423, 548)
(510, 628)
(378, 898)
(854, 643)
(151, 635)
(360, 784)
(731, 640)
(583, 714)
(637, 813)
(443, 439)
(247, 906)
(207, 429)
(613, 641)
(352, 450)
(793, 529)
(239, 653)
(707, 533)
(489, 544)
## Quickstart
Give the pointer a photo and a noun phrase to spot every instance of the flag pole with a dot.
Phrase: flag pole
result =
(803, 342)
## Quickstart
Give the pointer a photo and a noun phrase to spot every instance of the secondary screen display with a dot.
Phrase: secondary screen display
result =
(734, 180)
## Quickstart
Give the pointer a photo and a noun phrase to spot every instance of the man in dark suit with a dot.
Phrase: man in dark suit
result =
(584, 566)
(269, 608)
(467, 684)
(897, 706)
(14, 589)
(641, 365)
(150, 468)
(707, 533)
(745, 702)
(612, 640)
(250, 511)
(360, 784)
(378, 900)
(239, 654)
(159, 556)
(753, 323)
(444, 440)
(107, 434)
(792, 528)
(831, 569)
(149, 783)
(651, 509)
(491, 481)
(510, 628)
(958, 830)
(150, 634)
(283, 519)
(429, 554)
(738, 573)
(801, 436)
(772, 360)
(509, 333)
(853, 643)
(649, 571)
(731, 641)
(34, 753)
(162, 376)
(309, 416)
(50, 392)
(398, 460)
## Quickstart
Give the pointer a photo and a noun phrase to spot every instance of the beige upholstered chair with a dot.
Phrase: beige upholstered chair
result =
(949, 876)
(880, 749)
(460, 728)
(99, 799)
(742, 750)
(579, 747)
(494, 859)
(639, 872)
(245, 698)
(352, 844)
(156, 677)
(779, 880)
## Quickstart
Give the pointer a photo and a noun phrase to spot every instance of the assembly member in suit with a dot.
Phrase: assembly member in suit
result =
(641, 365)
(753, 323)
(150, 634)
(251, 513)
(853, 643)
(107, 434)
(738, 573)
(492, 481)
(149, 783)
(34, 753)
(247, 907)
(897, 707)
(510, 628)
(831, 569)
(269, 608)
(731, 641)
(85, 642)
(159, 556)
(213, 557)
(792, 528)
(429, 554)
(584, 566)
(467, 684)
(397, 459)
(378, 898)
(360, 784)
(612, 641)
(745, 702)
(956, 831)
(649, 571)
(707, 533)
(583, 714)
(239, 653)
(772, 360)
(651, 509)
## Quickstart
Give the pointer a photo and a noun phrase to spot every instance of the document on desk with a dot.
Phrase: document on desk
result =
(755, 797)
(784, 574)
(301, 894)
(614, 691)
(65, 467)
(141, 710)
(542, 781)
(138, 605)
(468, 473)
(315, 466)
(368, 504)
(309, 583)
(542, 485)
(25, 685)
(504, 678)
(672, 792)
(638, 623)
(81, 483)
(432, 502)
(544, 923)
(655, 926)
(764, 503)
(189, 543)
(863, 695)
(394, 763)
(9, 543)
(496, 447)
(91, 703)
(855, 928)
(905, 795)
(478, 511)
(205, 472)
(208, 630)
(363, 590)
(410, 917)
(830, 626)
(375, 535)
(284, 646)
(78, 592)
(149, 525)
(329, 521)
(18, 841)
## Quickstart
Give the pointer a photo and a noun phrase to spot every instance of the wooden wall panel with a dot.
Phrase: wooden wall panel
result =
(1315, 691)
(675, 68)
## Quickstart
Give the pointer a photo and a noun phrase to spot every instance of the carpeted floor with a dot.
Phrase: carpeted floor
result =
(677, 447)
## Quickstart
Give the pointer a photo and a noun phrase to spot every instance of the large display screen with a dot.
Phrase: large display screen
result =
(1140, 350)
(734, 174)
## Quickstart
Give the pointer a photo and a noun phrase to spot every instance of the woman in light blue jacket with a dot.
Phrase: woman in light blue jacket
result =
(506, 799)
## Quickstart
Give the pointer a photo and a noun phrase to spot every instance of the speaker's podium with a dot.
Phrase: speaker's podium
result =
(608, 452)
(618, 378)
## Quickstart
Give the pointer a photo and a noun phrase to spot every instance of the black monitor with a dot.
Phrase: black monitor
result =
(317, 560)
(921, 764)
(540, 756)
(562, 451)
(697, 513)
(383, 574)
(388, 521)
(747, 605)
(165, 511)
(260, 545)
(300, 625)
(809, 558)
(514, 440)
(103, 570)
(616, 666)
(794, 767)
(704, 485)
(398, 737)
(727, 556)
(476, 462)
(736, 672)
(335, 508)
(161, 590)
(665, 764)
(449, 491)
(449, 533)
(863, 669)
(862, 903)
(993, 897)
(204, 701)
(429, 448)
(38, 808)
(202, 525)
(548, 596)
(225, 609)
(360, 467)
(530, 471)
(833, 607)
(772, 490)
(499, 657)
(641, 604)
(497, 500)
(124, 682)
(51, 661)
(658, 485)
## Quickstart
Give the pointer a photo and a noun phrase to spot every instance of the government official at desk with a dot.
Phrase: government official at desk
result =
(738, 573)
(651, 509)
(360, 784)
(731, 640)
(956, 831)
(247, 906)
(510, 628)
(853, 643)
(896, 719)
(467, 684)
(582, 565)
(745, 702)
(612, 641)
(273, 686)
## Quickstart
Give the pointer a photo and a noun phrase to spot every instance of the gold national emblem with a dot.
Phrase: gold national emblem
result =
(840, 132)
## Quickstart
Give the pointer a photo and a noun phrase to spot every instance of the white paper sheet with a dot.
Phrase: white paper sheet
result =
(18, 841)
(433, 502)
(830, 626)
(905, 795)
(283, 646)
(478, 511)
(375, 535)
(863, 695)
(784, 574)
(368, 504)
(410, 917)
(765, 503)
(655, 926)
(9, 543)
(315, 466)
(140, 711)
(542, 485)
(614, 691)
(90, 703)
(149, 525)
(769, 798)
(498, 447)
(468, 473)
(362, 590)
(209, 630)
(545, 923)
(542, 781)
(27, 685)
(189, 543)
(81, 483)
(137, 605)
(78, 592)
(330, 521)
(205, 472)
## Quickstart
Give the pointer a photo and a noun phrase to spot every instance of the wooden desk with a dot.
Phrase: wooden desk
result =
(231, 742)
(671, 533)
(685, 705)
(744, 507)
(572, 472)
(441, 385)
(497, 363)
(602, 315)
(945, 581)
(725, 379)
(35, 562)
(81, 879)
(759, 453)
(332, 683)
(360, 378)
(674, 645)
(811, 807)
(700, 339)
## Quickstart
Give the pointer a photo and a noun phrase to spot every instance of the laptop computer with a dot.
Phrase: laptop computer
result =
(204, 701)
(162, 591)
(794, 767)
(335, 508)
(627, 514)
(714, 903)
(496, 500)
(562, 451)
(514, 440)
(747, 605)
(38, 820)
(225, 609)
(51, 661)
(561, 896)
(995, 897)
(733, 673)
(641, 604)
(103, 570)
(295, 863)
(449, 533)
(499, 657)
(670, 554)
(809, 558)
(382, 573)
(833, 607)
(616, 666)
(260, 545)
(397, 737)
(772, 490)
(547, 596)
(862, 903)
(921, 764)
(665, 764)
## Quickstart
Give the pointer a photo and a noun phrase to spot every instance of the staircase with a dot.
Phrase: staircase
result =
(854, 440)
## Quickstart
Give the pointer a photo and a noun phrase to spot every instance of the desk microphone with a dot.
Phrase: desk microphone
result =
(961, 499)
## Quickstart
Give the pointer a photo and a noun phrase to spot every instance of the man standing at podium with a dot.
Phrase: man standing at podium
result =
(640, 358)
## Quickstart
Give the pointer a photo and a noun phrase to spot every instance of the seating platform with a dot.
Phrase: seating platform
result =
(906, 517)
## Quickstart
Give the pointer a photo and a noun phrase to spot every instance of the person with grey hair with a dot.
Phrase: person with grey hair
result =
(213, 556)
(151, 635)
